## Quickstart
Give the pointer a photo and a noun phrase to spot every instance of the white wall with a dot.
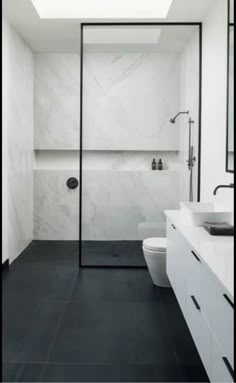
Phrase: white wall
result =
(189, 96)
(17, 143)
(56, 101)
(214, 80)
(4, 141)
(128, 99)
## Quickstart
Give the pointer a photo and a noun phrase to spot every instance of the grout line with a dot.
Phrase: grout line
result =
(73, 286)
(88, 363)
(60, 322)
(54, 341)
(56, 332)
(42, 373)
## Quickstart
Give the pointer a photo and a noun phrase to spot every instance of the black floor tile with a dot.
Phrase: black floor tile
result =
(114, 322)
(112, 253)
(51, 252)
(183, 344)
(193, 373)
(110, 373)
(96, 332)
(40, 281)
(19, 372)
(153, 343)
(29, 328)
(114, 285)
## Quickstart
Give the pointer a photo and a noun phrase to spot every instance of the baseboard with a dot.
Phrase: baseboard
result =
(5, 265)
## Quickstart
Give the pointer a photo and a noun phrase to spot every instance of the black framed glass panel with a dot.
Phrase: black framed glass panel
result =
(230, 93)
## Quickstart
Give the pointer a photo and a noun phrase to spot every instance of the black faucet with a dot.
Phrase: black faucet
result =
(223, 186)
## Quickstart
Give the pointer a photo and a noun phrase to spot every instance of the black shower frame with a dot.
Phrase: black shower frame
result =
(229, 25)
(82, 25)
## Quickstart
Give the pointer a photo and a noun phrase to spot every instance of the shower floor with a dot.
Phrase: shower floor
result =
(113, 253)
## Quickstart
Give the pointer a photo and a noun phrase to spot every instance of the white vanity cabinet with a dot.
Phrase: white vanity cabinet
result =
(207, 307)
(176, 264)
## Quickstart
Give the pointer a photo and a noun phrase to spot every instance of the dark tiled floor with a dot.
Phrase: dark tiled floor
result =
(112, 253)
(91, 325)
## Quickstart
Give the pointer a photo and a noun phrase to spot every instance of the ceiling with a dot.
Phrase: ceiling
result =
(63, 35)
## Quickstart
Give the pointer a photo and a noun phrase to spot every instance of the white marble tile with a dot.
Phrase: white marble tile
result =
(128, 100)
(114, 204)
(5, 80)
(20, 144)
(56, 208)
(189, 98)
(56, 101)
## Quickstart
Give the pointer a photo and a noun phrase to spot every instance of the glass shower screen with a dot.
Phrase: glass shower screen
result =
(133, 81)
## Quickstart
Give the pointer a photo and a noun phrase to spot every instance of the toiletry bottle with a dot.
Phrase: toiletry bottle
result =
(154, 164)
(160, 165)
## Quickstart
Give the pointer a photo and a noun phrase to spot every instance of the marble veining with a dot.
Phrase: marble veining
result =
(20, 144)
(132, 97)
(117, 205)
(128, 99)
(56, 101)
(56, 208)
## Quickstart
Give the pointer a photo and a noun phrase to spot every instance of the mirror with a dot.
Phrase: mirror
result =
(230, 90)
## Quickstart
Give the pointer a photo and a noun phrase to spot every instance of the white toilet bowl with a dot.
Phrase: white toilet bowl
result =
(154, 250)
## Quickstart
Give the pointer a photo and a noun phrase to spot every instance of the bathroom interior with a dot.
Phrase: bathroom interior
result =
(117, 184)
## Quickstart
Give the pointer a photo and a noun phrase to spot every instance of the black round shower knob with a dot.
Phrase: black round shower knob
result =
(72, 183)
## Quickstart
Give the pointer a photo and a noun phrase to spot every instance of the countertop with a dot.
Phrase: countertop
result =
(217, 252)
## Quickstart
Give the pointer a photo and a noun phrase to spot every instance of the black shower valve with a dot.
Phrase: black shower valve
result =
(72, 183)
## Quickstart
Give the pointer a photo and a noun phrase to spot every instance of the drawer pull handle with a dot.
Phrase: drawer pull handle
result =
(229, 368)
(195, 255)
(173, 227)
(195, 303)
(228, 300)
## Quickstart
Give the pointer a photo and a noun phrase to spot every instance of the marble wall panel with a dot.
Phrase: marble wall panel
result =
(128, 100)
(19, 110)
(115, 203)
(56, 101)
(56, 208)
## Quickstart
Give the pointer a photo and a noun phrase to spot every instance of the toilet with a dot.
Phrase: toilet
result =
(154, 250)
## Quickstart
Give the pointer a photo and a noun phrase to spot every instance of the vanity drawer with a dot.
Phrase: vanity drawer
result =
(199, 328)
(221, 369)
(215, 306)
(198, 281)
(222, 323)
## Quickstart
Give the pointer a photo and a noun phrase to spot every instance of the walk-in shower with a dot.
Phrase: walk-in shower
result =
(132, 78)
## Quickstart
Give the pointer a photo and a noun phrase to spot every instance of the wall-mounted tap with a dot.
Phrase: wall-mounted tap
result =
(230, 186)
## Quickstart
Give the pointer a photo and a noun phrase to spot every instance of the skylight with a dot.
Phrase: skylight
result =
(95, 9)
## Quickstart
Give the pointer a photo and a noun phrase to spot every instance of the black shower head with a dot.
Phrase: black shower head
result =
(172, 120)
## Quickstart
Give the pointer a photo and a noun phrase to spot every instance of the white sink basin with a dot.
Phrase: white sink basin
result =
(196, 213)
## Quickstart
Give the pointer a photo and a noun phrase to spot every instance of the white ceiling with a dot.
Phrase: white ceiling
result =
(63, 35)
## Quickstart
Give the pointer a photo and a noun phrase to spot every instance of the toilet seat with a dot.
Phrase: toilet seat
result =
(155, 244)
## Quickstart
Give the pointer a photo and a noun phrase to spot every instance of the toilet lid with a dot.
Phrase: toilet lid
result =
(155, 244)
